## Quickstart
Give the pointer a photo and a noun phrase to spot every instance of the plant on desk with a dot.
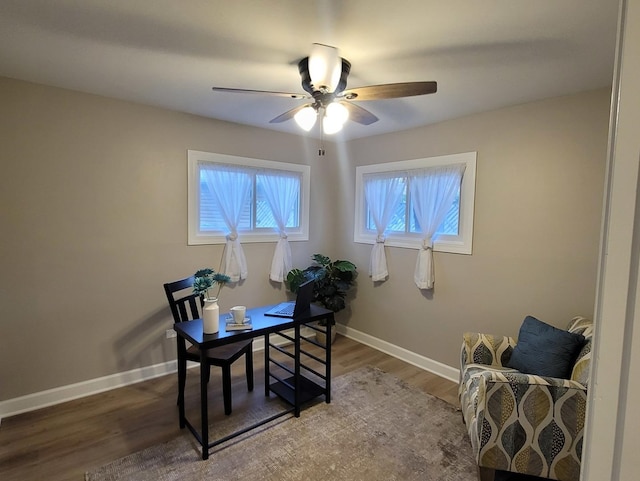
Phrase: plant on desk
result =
(332, 281)
(203, 280)
(206, 279)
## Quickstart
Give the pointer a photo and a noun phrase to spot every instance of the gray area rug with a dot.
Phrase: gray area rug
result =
(375, 428)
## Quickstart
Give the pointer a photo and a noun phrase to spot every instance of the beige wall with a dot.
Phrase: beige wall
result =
(539, 186)
(93, 195)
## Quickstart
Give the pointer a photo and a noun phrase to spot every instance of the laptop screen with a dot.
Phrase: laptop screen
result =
(304, 298)
(301, 305)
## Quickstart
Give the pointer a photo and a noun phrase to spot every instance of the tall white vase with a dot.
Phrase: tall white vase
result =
(211, 316)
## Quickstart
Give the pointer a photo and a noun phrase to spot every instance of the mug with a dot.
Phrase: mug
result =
(238, 313)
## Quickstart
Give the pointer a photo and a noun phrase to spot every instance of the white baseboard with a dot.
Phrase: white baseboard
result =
(435, 367)
(61, 394)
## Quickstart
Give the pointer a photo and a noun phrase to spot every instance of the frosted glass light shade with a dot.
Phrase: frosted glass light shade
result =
(306, 118)
(325, 67)
(330, 126)
(338, 112)
(335, 115)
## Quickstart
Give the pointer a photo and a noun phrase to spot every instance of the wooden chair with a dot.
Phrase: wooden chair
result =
(186, 308)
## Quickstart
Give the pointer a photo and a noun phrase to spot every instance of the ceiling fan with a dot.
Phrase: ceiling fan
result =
(324, 77)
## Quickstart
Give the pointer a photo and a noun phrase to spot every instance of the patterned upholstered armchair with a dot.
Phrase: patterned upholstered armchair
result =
(518, 422)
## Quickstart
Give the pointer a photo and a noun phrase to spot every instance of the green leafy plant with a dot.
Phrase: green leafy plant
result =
(332, 280)
(206, 279)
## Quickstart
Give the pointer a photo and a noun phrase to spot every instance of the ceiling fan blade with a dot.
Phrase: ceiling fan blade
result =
(263, 92)
(359, 115)
(390, 91)
(288, 115)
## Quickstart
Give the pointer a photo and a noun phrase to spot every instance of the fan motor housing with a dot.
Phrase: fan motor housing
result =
(303, 68)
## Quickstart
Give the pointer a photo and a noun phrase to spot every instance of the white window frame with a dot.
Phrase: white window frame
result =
(460, 244)
(197, 237)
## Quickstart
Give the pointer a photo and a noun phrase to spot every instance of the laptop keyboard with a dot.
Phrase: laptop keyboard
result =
(286, 310)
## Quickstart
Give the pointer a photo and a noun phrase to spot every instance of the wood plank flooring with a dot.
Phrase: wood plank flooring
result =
(61, 442)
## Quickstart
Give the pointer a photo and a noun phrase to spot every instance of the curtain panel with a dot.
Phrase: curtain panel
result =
(433, 190)
(383, 195)
(231, 190)
(281, 191)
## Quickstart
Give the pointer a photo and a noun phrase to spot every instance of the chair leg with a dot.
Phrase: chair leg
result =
(249, 368)
(181, 388)
(226, 388)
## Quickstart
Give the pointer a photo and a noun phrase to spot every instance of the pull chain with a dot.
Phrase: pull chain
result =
(321, 149)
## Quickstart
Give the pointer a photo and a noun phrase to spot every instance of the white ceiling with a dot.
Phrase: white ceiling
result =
(484, 54)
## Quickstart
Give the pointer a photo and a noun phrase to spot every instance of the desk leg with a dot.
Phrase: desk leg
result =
(204, 403)
(330, 325)
(297, 385)
(182, 376)
(267, 379)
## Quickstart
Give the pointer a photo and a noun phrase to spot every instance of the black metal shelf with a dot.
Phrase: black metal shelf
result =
(308, 390)
(282, 383)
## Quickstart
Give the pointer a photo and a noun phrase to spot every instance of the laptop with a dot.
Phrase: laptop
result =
(297, 308)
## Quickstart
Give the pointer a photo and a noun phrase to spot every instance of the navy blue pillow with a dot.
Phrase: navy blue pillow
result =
(545, 350)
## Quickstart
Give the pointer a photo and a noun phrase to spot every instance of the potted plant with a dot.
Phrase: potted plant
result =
(203, 280)
(332, 280)
(206, 279)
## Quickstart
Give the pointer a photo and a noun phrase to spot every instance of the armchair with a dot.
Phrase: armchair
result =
(523, 423)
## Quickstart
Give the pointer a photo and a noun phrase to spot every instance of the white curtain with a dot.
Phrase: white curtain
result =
(231, 190)
(383, 195)
(281, 191)
(433, 190)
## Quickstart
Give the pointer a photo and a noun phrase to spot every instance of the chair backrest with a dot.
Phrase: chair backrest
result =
(183, 308)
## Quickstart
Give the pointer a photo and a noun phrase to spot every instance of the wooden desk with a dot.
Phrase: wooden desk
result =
(295, 389)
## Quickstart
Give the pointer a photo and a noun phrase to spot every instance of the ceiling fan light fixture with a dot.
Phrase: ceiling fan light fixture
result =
(306, 118)
(323, 75)
(337, 112)
(330, 126)
(325, 67)
(335, 116)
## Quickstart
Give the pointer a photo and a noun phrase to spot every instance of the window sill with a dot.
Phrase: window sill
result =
(451, 247)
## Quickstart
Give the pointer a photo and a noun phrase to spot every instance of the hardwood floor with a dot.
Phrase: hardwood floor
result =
(63, 441)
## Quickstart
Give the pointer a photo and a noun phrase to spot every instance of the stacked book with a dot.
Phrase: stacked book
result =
(233, 326)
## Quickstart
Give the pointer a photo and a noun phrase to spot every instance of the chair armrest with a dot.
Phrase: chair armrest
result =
(515, 410)
(515, 378)
(486, 349)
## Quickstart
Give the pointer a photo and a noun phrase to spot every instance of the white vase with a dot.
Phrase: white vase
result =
(210, 316)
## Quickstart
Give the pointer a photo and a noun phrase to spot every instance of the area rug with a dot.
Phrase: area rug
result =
(376, 427)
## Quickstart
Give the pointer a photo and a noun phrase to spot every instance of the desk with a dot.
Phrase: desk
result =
(295, 390)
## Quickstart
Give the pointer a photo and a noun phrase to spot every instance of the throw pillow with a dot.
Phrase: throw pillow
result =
(545, 350)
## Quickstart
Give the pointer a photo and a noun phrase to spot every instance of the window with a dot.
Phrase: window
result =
(256, 222)
(455, 234)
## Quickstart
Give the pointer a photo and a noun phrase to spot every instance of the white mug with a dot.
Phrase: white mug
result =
(238, 313)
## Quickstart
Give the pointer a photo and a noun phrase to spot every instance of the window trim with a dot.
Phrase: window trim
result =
(460, 244)
(195, 237)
